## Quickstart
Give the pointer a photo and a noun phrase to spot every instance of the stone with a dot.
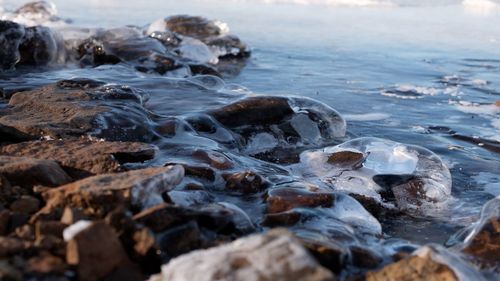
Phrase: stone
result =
(46, 228)
(9, 272)
(38, 47)
(283, 199)
(27, 172)
(11, 35)
(350, 159)
(4, 222)
(215, 159)
(26, 204)
(275, 255)
(245, 182)
(196, 27)
(11, 246)
(71, 215)
(112, 112)
(83, 157)
(46, 264)
(100, 194)
(95, 252)
(180, 239)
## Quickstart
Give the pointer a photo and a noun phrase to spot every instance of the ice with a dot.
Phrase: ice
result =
(36, 13)
(381, 169)
(374, 116)
(72, 230)
(195, 50)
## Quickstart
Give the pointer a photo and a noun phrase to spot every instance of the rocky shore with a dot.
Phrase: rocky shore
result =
(275, 191)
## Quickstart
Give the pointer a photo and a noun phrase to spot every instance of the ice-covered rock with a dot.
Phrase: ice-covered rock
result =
(385, 170)
(276, 256)
(481, 240)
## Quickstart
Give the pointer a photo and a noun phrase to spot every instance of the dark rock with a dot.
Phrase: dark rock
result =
(215, 159)
(46, 264)
(83, 157)
(348, 159)
(38, 47)
(180, 239)
(245, 182)
(331, 255)
(129, 272)
(287, 218)
(228, 46)
(284, 199)
(4, 221)
(365, 258)
(26, 204)
(11, 35)
(192, 26)
(95, 252)
(111, 112)
(27, 172)
(9, 272)
(72, 215)
(254, 111)
(100, 194)
(11, 246)
(46, 228)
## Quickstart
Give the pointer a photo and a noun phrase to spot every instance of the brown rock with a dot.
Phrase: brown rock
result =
(26, 204)
(83, 157)
(27, 172)
(46, 228)
(100, 194)
(245, 182)
(485, 244)
(95, 252)
(254, 111)
(180, 239)
(60, 111)
(284, 199)
(348, 159)
(365, 258)
(46, 264)
(163, 216)
(144, 241)
(288, 218)
(10, 246)
(25, 232)
(9, 272)
(214, 159)
(414, 268)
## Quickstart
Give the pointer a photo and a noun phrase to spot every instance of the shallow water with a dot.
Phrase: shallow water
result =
(424, 74)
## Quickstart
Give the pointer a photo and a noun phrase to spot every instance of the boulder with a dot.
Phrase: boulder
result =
(95, 251)
(83, 157)
(276, 256)
(77, 107)
(100, 194)
(26, 172)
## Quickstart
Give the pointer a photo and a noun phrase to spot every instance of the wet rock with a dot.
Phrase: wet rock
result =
(365, 258)
(95, 251)
(27, 172)
(193, 26)
(111, 112)
(180, 239)
(333, 256)
(245, 182)
(215, 159)
(284, 199)
(26, 204)
(482, 240)
(52, 228)
(11, 35)
(288, 218)
(83, 157)
(428, 263)
(265, 126)
(228, 46)
(72, 215)
(4, 221)
(408, 177)
(100, 194)
(38, 47)
(276, 255)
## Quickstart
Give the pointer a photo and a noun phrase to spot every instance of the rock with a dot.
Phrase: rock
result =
(276, 256)
(4, 221)
(83, 157)
(284, 199)
(483, 237)
(46, 228)
(11, 246)
(100, 194)
(228, 46)
(180, 239)
(111, 112)
(215, 159)
(196, 27)
(95, 252)
(38, 47)
(46, 264)
(11, 35)
(245, 182)
(27, 172)
(26, 204)
(350, 159)
(428, 263)
(9, 272)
